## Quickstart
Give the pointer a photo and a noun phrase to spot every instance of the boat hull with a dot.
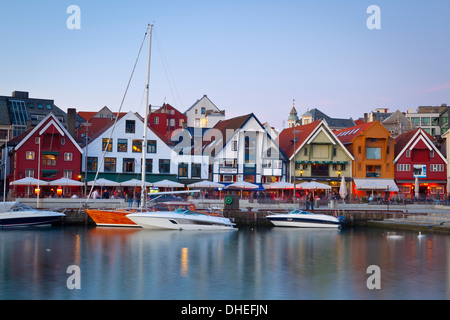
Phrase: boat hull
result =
(31, 219)
(304, 221)
(112, 218)
(174, 221)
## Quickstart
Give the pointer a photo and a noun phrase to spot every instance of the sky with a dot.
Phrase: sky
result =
(247, 56)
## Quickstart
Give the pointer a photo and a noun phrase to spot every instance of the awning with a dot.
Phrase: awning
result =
(376, 184)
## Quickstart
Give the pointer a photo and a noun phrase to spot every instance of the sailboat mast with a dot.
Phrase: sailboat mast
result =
(147, 107)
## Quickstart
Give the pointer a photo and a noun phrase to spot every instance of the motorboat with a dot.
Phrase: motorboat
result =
(180, 219)
(16, 214)
(118, 217)
(304, 219)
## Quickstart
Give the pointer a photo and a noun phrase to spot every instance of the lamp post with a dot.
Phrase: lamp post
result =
(87, 125)
(295, 164)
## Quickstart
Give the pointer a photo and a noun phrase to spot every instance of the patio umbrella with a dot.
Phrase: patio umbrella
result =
(206, 184)
(168, 184)
(135, 183)
(343, 189)
(242, 185)
(313, 185)
(416, 188)
(104, 183)
(280, 185)
(28, 181)
(65, 182)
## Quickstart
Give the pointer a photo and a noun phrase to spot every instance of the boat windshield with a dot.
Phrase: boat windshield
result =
(297, 211)
(185, 211)
(21, 207)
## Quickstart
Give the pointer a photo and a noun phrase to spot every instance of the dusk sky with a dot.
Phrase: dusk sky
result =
(247, 56)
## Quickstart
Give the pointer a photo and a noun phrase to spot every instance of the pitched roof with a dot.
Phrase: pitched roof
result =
(407, 139)
(286, 137)
(347, 135)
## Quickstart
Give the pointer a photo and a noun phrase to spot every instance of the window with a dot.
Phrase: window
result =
(403, 167)
(29, 173)
(408, 153)
(48, 106)
(40, 106)
(151, 146)
(183, 170)
(68, 156)
(432, 153)
(425, 121)
(374, 153)
(437, 167)
(137, 145)
(92, 163)
(63, 141)
(373, 171)
(305, 152)
(110, 165)
(29, 155)
(415, 121)
(359, 150)
(68, 174)
(128, 165)
(196, 170)
(156, 120)
(164, 166)
(250, 150)
(334, 151)
(148, 165)
(37, 140)
(107, 145)
(234, 146)
(130, 126)
(203, 110)
(49, 160)
(172, 122)
(122, 145)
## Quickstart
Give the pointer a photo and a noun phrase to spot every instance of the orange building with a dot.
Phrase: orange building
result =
(373, 149)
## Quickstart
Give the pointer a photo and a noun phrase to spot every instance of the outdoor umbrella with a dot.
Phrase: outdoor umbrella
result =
(104, 183)
(343, 189)
(65, 182)
(168, 184)
(135, 183)
(416, 188)
(313, 185)
(280, 185)
(242, 185)
(28, 181)
(206, 184)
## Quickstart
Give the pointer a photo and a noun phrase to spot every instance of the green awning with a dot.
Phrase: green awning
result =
(51, 152)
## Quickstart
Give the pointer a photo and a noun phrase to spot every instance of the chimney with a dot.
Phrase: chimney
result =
(71, 121)
(366, 117)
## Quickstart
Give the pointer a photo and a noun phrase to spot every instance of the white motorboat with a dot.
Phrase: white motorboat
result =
(180, 219)
(16, 214)
(304, 219)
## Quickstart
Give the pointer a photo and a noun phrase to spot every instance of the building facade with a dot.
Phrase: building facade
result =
(47, 152)
(373, 150)
(416, 157)
(166, 119)
(315, 153)
(204, 114)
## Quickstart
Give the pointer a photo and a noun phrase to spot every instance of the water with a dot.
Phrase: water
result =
(252, 263)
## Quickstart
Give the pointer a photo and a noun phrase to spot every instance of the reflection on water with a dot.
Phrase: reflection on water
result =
(262, 263)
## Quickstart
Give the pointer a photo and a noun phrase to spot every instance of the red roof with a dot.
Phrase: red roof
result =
(402, 140)
(286, 137)
(348, 134)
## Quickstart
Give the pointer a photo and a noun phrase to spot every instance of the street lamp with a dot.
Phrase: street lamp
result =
(295, 140)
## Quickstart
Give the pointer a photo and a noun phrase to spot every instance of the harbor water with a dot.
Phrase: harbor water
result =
(260, 263)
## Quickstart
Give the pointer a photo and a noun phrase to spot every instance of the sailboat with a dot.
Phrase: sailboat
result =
(145, 215)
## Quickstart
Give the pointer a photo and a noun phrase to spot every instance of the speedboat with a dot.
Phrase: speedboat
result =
(16, 214)
(118, 217)
(304, 219)
(180, 219)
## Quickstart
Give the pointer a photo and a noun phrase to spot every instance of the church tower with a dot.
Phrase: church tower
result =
(293, 117)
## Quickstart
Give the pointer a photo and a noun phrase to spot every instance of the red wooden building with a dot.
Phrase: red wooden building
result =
(46, 152)
(166, 119)
(417, 158)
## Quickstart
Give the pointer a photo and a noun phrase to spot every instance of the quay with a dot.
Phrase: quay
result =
(420, 217)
